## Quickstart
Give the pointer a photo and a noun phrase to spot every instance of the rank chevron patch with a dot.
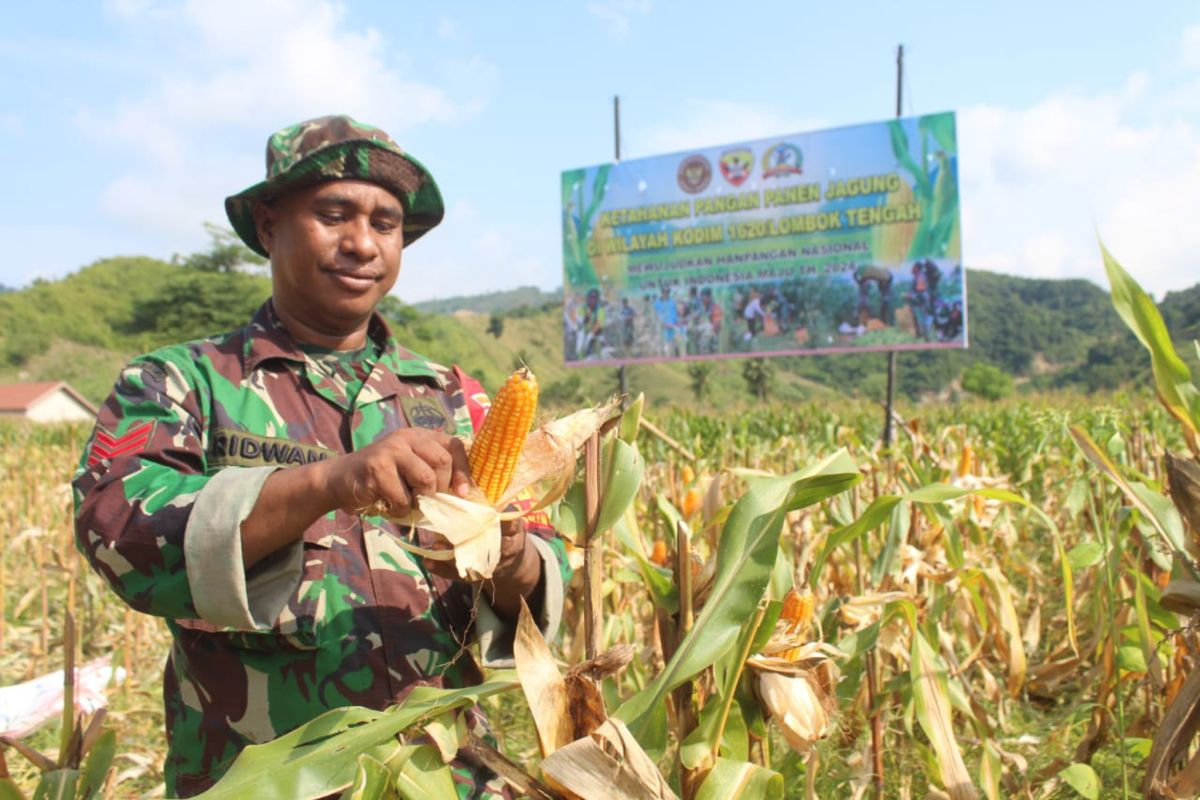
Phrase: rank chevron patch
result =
(106, 446)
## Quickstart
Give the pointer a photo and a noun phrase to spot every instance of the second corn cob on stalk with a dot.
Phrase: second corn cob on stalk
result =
(494, 454)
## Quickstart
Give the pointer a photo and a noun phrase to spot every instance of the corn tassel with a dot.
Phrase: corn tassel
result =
(494, 455)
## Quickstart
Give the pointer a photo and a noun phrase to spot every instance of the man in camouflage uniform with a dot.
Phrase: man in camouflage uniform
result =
(223, 486)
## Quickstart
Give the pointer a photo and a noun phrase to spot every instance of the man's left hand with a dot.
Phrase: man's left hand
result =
(512, 548)
(516, 575)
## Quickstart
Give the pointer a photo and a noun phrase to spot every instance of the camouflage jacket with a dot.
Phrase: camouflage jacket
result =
(344, 616)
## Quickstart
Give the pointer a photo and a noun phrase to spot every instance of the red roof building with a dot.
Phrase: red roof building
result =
(51, 401)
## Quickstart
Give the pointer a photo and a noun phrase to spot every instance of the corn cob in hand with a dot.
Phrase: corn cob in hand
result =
(494, 454)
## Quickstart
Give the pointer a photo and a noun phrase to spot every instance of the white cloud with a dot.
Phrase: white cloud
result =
(488, 259)
(132, 9)
(703, 123)
(173, 202)
(618, 13)
(234, 83)
(1038, 185)
(1190, 43)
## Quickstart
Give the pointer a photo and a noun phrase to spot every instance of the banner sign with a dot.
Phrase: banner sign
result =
(832, 241)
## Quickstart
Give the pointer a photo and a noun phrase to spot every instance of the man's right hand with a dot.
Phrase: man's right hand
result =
(395, 470)
(392, 472)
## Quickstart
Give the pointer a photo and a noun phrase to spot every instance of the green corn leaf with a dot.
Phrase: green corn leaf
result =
(1082, 778)
(320, 757)
(1085, 554)
(859, 642)
(9, 790)
(990, 770)
(670, 515)
(621, 484)
(57, 785)
(658, 580)
(701, 746)
(745, 558)
(95, 767)
(373, 781)
(423, 776)
(631, 419)
(1157, 509)
(731, 780)
(1172, 378)
(897, 533)
(1131, 659)
(872, 518)
(568, 514)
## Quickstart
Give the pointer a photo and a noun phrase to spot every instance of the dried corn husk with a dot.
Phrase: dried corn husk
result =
(798, 694)
(608, 764)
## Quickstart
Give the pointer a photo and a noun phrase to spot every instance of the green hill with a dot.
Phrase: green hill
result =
(492, 302)
(1046, 333)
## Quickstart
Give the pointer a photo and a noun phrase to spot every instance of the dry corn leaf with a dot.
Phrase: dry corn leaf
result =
(607, 765)
(932, 696)
(1183, 476)
(585, 704)
(1011, 626)
(1032, 634)
(584, 700)
(544, 688)
(1179, 726)
(607, 663)
(1181, 596)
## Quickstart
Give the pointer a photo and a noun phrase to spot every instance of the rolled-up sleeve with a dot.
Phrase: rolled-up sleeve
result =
(150, 520)
(495, 635)
(223, 593)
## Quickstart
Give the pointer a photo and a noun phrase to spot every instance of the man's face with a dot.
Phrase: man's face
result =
(335, 253)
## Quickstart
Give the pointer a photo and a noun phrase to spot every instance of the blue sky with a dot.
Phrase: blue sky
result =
(125, 123)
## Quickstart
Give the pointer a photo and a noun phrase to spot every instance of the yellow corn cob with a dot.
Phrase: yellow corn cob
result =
(494, 455)
(797, 610)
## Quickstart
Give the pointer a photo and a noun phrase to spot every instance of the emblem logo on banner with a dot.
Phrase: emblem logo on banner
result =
(782, 159)
(736, 165)
(694, 174)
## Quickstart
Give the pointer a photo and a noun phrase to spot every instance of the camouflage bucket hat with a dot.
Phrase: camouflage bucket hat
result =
(332, 148)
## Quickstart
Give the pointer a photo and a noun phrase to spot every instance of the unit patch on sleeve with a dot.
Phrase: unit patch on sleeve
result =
(426, 412)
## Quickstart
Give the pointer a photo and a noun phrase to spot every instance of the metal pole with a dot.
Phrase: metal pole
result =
(891, 368)
(617, 127)
(621, 380)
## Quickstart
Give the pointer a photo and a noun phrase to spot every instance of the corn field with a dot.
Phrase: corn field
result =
(765, 604)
